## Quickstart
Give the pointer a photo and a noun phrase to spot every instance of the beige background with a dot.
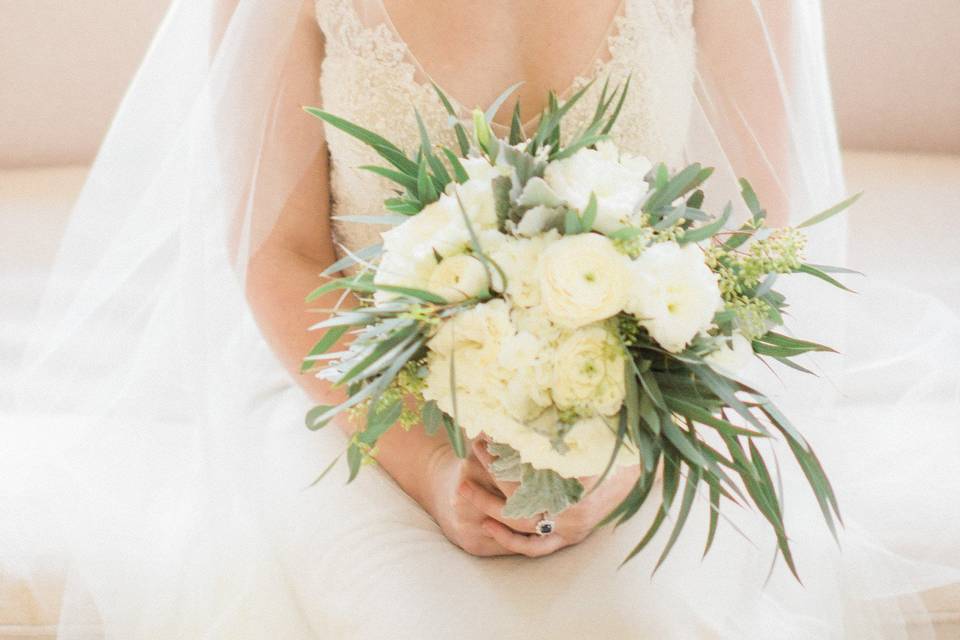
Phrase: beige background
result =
(64, 66)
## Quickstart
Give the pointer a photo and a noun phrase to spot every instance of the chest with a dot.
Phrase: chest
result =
(546, 44)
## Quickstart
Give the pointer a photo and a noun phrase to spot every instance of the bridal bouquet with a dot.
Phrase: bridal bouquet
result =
(579, 307)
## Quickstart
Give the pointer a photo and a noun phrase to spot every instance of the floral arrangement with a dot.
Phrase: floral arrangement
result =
(579, 307)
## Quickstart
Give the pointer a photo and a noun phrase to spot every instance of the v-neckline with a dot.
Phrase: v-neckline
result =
(591, 71)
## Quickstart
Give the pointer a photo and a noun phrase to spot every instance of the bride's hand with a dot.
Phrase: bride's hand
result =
(452, 481)
(570, 527)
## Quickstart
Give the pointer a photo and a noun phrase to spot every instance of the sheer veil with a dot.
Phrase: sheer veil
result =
(135, 436)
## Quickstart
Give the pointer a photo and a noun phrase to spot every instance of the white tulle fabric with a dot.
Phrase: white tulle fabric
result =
(156, 450)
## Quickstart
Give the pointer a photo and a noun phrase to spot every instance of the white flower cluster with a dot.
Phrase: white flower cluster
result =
(537, 364)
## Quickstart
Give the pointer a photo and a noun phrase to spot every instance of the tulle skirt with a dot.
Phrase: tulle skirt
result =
(178, 518)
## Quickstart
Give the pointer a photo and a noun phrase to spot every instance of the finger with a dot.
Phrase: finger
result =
(483, 545)
(486, 458)
(530, 546)
(492, 506)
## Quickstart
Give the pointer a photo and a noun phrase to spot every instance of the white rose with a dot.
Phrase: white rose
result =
(458, 278)
(733, 355)
(673, 294)
(588, 372)
(518, 258)
(478, 203)
(615, 179)
(439, 228)
(583, 279)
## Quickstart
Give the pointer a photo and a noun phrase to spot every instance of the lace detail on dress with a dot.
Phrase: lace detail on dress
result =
(369, 76)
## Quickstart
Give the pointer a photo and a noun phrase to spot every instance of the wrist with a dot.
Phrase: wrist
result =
(434, 476)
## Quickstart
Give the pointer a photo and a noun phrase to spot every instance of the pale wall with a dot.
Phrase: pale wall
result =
(64, 65)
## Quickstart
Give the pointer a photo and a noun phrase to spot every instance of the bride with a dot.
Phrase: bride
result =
(159, 415)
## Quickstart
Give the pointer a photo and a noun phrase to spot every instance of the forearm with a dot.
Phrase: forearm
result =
(278, 281)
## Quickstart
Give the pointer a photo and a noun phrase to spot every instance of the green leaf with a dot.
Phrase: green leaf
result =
(401, 179)
(354, 460)
(404, 206)
(695, 201)
(817, 273)
(426, 192)
(688, 179)
(571, 223)
(689, 493)
(671, 473)
(516, 126)
(397, 341)
(329, 338)
(708, 230)
(621, 434)
(366, 253)
(649, 382)
(542, 490)
(681, 441)
(589, 214)
(397, 159)
(492, 110)
(327, 470)
(612, 120)
(366, 284)
(380, 419)
(432, 417)
(750, 198)
(714, 512)
(829, 213)
(458, 129)
(315, 417)
(363, 135)
(629, 506)
(458, 171)
(377, 220)
(701, 415)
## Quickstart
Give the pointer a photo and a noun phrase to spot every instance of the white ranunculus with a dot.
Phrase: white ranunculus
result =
(527, 391)
(518, 258)
(673, 294)
(459, 277)
(616, 180)
(588, 371)
(733, 355)
(487, 324)
(583, 279)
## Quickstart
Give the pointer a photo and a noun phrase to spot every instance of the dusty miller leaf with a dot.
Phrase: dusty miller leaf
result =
(542, 490)
(507, 467)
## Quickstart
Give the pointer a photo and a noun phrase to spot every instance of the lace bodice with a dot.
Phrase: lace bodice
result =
(369, 76)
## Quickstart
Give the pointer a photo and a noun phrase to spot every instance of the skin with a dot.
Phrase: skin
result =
(514, 40)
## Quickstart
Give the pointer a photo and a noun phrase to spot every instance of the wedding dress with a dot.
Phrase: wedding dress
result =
(167, 452)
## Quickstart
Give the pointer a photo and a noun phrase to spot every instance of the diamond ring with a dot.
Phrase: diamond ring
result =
(546, 526)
